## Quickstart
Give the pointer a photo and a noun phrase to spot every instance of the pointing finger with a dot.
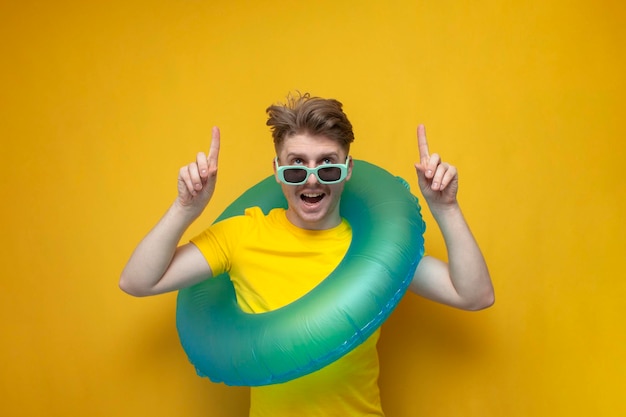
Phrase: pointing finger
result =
(214, 150)
(422, 145)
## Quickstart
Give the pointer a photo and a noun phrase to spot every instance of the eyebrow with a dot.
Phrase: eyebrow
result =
(331, 155)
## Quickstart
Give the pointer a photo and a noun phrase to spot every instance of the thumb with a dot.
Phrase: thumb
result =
(421, 176)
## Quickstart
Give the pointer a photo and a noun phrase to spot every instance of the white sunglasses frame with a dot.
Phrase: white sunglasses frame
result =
(343, 168)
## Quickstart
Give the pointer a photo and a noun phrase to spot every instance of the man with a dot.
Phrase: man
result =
(276, 258)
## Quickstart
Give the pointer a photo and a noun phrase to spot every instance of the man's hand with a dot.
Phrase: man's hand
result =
(196, 181)
(438, 180)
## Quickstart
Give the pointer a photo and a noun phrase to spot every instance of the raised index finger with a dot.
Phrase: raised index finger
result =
(422, 145)
(214, 150)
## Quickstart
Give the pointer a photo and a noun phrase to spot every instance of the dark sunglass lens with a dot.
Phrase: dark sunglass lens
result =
(329, 174)
(294, 175)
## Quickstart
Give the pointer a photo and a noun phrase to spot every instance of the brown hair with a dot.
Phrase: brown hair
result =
(313, 115)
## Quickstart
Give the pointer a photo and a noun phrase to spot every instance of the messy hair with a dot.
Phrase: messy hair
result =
(303, 114)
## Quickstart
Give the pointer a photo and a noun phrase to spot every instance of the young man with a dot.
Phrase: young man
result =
(276, 258)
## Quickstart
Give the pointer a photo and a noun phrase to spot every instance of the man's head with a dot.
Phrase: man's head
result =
(313, 115)
(313, 133)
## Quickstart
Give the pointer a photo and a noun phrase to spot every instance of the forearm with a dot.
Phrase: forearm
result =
(467, 267)
(152, 257)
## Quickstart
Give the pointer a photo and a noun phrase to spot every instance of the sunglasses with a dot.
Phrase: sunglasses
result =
(325, 174)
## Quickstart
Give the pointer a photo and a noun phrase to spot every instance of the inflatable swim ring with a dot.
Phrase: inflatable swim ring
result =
(228, 345)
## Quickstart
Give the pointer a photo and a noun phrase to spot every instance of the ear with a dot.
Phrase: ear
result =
(274, 162)
(350, 166)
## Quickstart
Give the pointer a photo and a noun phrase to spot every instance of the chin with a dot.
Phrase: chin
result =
(321, 219)
(317, 217)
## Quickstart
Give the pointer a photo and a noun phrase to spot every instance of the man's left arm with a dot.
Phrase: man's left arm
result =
(464, 281)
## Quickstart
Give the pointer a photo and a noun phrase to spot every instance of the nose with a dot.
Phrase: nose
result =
(312, 179)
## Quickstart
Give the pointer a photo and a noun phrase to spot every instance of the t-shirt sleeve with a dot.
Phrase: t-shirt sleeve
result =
(218, 242)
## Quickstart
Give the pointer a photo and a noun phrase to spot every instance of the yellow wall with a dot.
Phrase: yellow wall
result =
(102, 101)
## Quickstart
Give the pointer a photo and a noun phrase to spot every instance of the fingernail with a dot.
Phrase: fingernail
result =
(435, 186)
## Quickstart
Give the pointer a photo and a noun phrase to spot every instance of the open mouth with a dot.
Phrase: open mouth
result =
(312, 198)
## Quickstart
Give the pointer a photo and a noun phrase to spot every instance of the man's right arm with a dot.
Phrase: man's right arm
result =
(158, 265)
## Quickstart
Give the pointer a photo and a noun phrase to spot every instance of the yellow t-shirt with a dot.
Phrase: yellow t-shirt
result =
(272, 263)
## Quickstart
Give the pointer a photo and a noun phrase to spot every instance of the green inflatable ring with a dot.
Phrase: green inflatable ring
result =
(230, 346)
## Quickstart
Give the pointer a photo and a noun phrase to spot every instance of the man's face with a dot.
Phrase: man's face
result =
(312, 205)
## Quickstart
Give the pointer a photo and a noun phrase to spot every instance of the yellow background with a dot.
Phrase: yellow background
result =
(102, 101)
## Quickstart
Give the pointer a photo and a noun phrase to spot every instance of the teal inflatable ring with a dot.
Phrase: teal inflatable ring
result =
(228, 345)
